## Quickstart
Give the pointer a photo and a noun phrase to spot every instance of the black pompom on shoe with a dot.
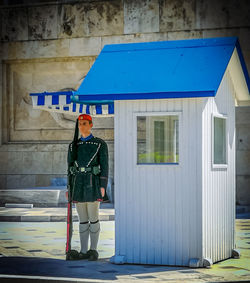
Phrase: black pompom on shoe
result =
(93, 254)
(72, 255)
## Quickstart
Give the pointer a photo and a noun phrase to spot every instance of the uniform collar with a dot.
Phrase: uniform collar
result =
(87, 138)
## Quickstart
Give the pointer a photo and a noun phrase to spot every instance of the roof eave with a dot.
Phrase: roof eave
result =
(240, 79)
(243, 65)
(151, 95)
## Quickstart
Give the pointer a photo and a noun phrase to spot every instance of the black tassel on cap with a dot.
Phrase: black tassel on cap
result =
(76, 132)
(72, 151)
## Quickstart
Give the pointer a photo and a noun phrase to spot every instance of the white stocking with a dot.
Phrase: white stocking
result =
(94, 230)
(84, 236)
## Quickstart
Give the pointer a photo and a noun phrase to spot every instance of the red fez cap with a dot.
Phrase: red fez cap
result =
(85, 117)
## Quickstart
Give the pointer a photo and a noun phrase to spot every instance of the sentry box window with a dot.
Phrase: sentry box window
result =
(219, 141)
(157, 139)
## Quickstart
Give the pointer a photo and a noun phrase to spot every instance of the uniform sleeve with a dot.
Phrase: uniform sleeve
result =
(104, 165)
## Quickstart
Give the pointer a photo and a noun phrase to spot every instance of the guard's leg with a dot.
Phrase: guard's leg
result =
(81, 208)
(94, 229)
(94, 234)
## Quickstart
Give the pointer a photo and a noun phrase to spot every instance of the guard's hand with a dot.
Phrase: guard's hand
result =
(66, 194)
(102, 192)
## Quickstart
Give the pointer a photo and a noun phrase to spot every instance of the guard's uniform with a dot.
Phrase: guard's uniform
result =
(88, 158)
(92, 156)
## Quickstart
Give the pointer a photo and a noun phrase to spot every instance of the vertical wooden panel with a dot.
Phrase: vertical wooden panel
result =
(186, 185)
(139, 196)
(156, 205)
(158, 211)
(219, 183)
(198, 191)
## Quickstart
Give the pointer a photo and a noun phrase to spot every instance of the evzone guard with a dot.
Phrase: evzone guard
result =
(88, 170)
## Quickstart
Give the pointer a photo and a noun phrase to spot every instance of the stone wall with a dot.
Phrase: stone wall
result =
(243, 155)
(51, 46)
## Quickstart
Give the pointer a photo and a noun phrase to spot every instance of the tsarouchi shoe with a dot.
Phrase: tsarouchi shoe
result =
(84, 255)
(72, 255)
(93, 254)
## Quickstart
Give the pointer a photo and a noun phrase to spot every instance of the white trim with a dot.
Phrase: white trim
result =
(238, 78)
(134, 133)
(219, 166)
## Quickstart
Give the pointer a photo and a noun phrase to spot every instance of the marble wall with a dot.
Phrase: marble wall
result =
(52, 46)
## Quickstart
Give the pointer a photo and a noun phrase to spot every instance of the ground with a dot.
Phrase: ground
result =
(38, 249)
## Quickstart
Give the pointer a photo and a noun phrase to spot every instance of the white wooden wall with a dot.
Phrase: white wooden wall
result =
(158, 207)
(218, 184)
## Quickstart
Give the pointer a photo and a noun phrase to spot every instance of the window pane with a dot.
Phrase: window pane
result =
(157, 139)
(219, 140)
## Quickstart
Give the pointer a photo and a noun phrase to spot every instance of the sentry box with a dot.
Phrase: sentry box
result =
(174, 122)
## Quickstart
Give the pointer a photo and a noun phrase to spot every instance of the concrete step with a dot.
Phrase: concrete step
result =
(38, 196)
(51, 196)
(18, 205)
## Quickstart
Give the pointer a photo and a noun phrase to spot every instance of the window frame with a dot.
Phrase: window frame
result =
(157, 113)
(225, 117)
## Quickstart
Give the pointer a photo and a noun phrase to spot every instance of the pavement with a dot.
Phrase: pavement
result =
(34, 251)
(50, 214)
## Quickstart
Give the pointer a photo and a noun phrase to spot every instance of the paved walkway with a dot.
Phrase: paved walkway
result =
(35, 248)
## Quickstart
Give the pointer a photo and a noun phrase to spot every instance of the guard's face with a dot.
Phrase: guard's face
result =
(84, 127)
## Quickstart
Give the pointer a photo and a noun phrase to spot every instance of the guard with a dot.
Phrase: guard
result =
(88, 159)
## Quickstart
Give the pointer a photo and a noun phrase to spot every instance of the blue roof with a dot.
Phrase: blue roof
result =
(165, 69)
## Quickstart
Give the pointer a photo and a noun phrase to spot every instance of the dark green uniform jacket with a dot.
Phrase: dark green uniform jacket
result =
(86, 186)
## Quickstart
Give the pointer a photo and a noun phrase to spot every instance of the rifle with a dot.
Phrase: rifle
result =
(72, 156)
